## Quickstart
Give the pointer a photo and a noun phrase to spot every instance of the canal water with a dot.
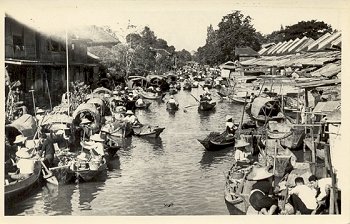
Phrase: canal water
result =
(169, 175)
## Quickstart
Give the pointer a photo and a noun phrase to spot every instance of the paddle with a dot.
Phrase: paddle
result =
(49, 177)
(194, 97)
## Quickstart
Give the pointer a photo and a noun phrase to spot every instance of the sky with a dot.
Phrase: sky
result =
(182, 24)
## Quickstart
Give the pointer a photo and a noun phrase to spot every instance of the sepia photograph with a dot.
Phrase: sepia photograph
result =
(174, 108)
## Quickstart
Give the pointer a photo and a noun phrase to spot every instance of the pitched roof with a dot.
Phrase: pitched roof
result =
(245, 51)
(95, 34)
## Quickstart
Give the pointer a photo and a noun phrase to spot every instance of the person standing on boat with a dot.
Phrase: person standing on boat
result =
(302, 197)
(47, 149)
(260, 197)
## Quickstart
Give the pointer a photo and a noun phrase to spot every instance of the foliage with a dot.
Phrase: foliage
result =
(312, 29)
(235, 30)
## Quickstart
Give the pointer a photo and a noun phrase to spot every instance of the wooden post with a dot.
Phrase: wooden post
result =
(333, 206)
(298, 106)
(274, 158)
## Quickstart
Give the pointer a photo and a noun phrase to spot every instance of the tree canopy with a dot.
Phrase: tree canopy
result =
(312, 29)
(235, 30)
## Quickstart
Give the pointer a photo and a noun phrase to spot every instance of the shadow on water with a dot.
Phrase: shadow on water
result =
(212, 157)
(114, 163)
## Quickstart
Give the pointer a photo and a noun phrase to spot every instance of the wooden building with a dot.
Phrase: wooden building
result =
(38, 61)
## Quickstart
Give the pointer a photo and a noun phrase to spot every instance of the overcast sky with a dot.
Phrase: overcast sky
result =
(182, 24)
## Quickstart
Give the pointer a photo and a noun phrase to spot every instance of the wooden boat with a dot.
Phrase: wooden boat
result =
(151, 96)
(145, 105)
(88, 173)
(147, 131)
(206, 105)
(237, 190)
(215, 141)
(240, 100)
(172, 106)
(18, 190)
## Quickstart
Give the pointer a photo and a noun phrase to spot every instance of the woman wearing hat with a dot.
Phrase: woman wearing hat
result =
(85, 125)
(20, 141)
(260, 198)
(130, 117)
(25, 163)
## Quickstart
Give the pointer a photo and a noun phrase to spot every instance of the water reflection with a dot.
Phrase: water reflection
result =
(114, 163)
(86, 193)
(213, 157)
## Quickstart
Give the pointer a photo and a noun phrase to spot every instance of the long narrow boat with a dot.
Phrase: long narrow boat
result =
(215, 144)
(206, 105)
(90, 174)
(151, 96)
(146, 132)
(145, 105)
(18, 190)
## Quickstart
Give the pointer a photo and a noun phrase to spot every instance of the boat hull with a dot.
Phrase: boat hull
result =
(205, 106)
(20, 190)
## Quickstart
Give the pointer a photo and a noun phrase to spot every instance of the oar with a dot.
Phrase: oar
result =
(188, 107)
(194, 97)
(49, 177)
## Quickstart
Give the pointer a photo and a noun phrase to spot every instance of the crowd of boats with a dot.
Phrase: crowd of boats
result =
(75, 140)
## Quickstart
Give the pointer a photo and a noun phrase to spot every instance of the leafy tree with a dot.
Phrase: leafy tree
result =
(235, 30)
(313, 29)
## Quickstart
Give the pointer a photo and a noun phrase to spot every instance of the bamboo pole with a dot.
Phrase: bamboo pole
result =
(48, 91)
(67, 61)
(333, 206)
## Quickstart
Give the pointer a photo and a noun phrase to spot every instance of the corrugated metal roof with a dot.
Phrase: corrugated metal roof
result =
(288, 46)
(297, 44)
(273, 48)
(280, 47)
(327, 43)
(313, 46)
(279, 51)
(304, 46)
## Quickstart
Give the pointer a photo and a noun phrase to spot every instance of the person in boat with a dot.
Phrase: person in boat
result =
(302, 197)
(322, 187)
(230, 126)
(97, 147)
(207, 94)
(47, 149)
(252, 97)
(139, 102)
(172, 100)
(20, 141)
(130, 117)
(85, 125)
(241, 154)
(39, 115)
(261, 194)
(10, 156)
(25, 163)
